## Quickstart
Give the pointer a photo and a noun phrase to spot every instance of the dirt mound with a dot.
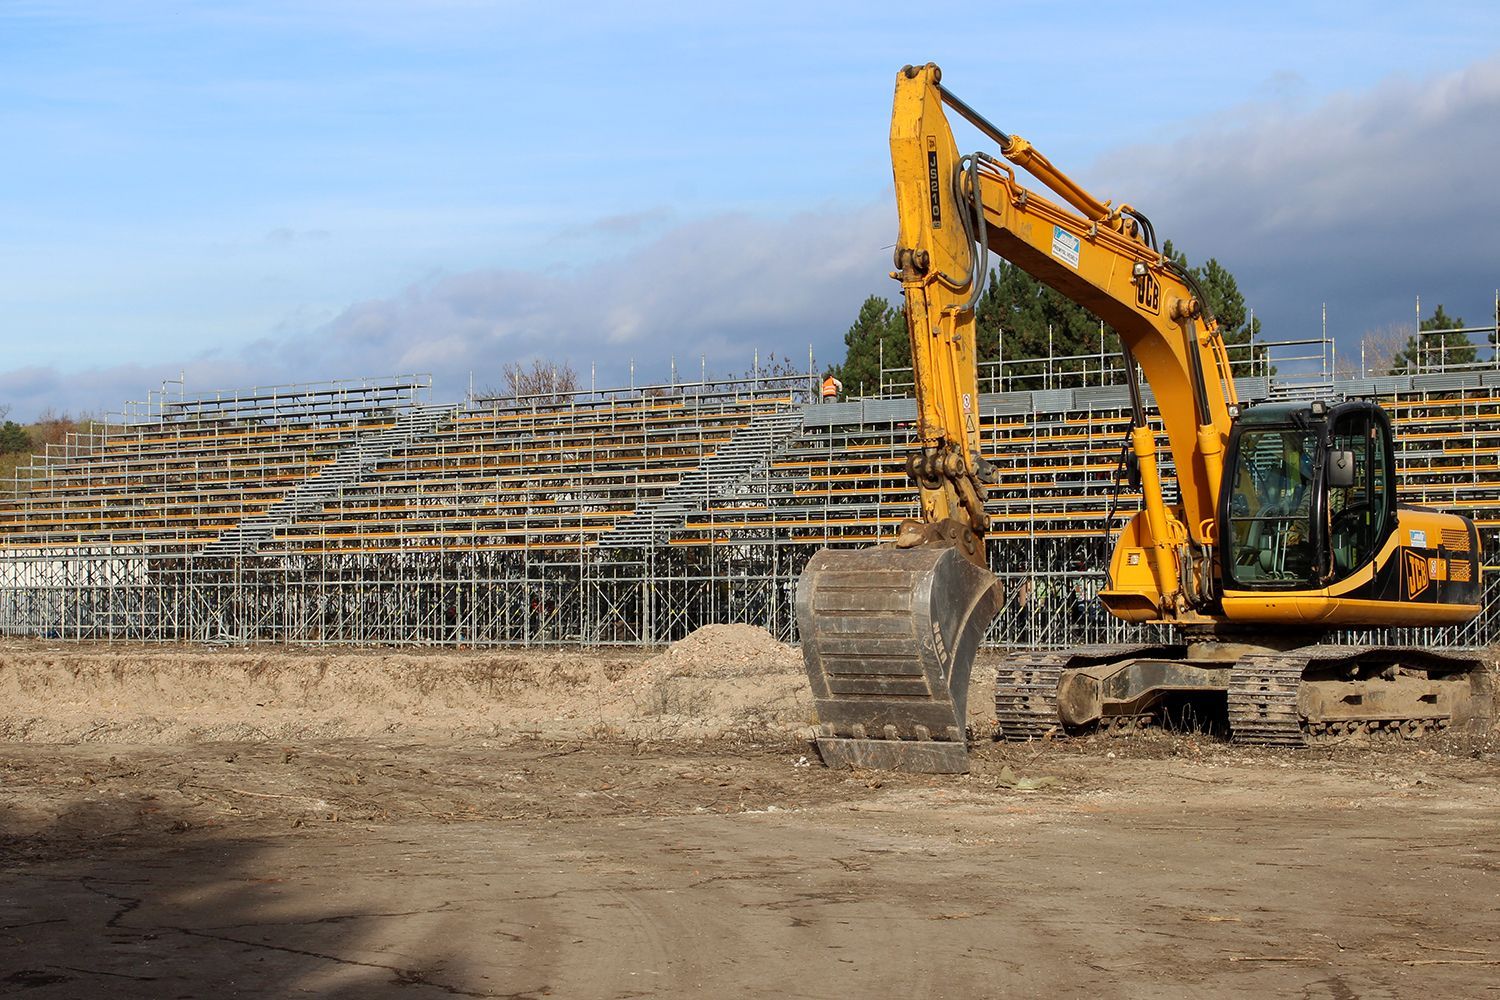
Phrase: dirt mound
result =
(720, 678)
(185, 693)
(729, 651)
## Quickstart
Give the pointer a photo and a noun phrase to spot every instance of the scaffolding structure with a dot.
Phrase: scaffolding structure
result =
(359, 511)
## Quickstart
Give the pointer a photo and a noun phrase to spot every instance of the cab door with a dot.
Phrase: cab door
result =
(1359, 497)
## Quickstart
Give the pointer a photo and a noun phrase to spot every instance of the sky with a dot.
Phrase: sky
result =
(260, 192)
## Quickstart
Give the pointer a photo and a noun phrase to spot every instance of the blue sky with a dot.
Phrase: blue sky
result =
(266, 192)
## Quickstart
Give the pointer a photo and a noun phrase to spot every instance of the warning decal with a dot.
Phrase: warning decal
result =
(1065, 246)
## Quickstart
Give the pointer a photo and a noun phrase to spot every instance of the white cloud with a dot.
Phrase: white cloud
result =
(1363, 202)
(720, 288)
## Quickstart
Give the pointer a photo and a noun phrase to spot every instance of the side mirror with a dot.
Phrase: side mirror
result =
(1340, 469)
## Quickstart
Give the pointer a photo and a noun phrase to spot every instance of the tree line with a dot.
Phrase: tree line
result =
(18, 441)
(1023, 322)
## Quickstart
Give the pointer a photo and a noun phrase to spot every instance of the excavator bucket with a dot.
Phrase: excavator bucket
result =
(888, 637)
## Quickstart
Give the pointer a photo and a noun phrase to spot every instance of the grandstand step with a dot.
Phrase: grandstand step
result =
(311, 495)
(747, 454)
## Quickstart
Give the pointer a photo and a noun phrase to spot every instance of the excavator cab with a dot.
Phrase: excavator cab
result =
(1308, 497)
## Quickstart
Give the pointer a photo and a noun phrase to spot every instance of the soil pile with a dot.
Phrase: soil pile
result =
(730, 651)
(720, 679)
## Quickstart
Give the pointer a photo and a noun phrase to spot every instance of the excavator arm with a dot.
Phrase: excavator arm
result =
(942, 273)
(955, 209)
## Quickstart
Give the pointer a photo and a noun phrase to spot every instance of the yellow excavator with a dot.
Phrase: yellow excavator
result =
(1286, 525)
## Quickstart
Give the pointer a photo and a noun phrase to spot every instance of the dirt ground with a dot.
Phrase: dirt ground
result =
(193, 822)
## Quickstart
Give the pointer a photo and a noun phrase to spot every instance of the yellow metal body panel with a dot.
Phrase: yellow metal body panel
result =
(1323, 609)
(1351, 601)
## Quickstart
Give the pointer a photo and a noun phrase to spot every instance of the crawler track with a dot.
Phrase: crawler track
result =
(1026, 695)
(1263, 699)
(1026, 690)
(1265, 689)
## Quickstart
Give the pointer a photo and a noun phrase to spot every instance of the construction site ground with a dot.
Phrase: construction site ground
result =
(212, 822)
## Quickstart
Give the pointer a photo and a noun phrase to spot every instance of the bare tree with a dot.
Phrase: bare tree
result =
(1378, 350)
(545, 383)
(771, 366)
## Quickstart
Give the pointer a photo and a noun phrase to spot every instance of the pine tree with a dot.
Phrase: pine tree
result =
(879, 323)
(1032, 328)
(1444, 348)
(13, 438)
(1227, 304)
(1019, 319)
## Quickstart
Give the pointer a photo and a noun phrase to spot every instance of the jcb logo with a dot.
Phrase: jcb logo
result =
(1148, 293)
(934, 187)
(1418, 578)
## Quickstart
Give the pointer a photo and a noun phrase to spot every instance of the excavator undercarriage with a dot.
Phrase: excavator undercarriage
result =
(1287, 697)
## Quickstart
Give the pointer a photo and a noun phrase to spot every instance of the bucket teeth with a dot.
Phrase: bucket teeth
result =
(888, 638)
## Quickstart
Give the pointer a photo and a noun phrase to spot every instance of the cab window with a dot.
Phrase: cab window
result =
(1269, 510)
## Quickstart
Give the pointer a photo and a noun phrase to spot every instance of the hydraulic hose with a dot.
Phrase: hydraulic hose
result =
(974, 228)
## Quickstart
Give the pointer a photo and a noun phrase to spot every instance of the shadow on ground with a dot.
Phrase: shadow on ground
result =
(116, 898)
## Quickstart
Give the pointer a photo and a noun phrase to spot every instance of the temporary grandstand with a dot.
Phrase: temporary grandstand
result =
(362, 512)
